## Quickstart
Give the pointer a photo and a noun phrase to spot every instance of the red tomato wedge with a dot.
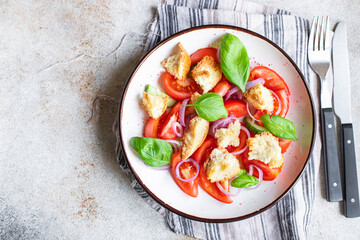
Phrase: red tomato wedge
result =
(242, 144)
(178, 89)
(187, 170)
(275, 83)
(203, 152)
(284, 144)
(152, 126)
(284, 99)
(212, 189)
(201, 155)
(222, 87)
(166, 131)
(235, 106)
(269, 173)
(200, 53)
(272, 80)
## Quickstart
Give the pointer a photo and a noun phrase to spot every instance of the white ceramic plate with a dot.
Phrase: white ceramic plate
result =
(160, 185)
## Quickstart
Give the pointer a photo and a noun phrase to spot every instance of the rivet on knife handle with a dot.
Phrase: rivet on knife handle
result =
(331, 160)
(351, 203)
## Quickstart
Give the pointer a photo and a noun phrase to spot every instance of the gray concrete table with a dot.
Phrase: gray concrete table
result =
(58, 175)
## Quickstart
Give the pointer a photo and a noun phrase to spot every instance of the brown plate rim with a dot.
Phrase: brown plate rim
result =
(139, 64)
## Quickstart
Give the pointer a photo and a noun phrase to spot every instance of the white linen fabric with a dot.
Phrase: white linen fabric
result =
(290, 217)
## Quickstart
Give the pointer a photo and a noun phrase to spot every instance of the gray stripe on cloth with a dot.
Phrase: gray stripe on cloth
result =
(289, 218)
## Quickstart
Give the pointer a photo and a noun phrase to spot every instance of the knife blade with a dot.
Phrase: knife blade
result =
(342, 106)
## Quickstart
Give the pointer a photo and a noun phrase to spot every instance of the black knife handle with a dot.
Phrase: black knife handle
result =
(351, 203)
(330, 157)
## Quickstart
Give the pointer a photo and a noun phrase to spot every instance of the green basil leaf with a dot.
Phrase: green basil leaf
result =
(154, 152)
(279, 126)
(242, 172)
(234, 61)
(210, 106)
(244, 181)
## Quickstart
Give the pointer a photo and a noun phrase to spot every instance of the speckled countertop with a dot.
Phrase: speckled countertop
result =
(58, 174)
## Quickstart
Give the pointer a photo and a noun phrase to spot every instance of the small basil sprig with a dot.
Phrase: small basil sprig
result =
(279, 126)
(244, 181)
(210, 106)
(234, 61)
(154, 152)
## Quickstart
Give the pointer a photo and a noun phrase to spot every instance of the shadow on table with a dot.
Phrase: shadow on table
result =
(112, 85)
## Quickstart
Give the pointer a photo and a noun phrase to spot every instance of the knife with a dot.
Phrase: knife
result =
(342, 105)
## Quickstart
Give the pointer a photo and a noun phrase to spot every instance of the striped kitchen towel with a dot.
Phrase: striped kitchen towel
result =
(290, 217)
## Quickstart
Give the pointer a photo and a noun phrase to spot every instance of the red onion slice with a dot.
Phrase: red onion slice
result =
(248, 110)
(182, 112)
(177, 170)
(250, 84)
(248, 135)
(221, 123)
(226, 192)
(166, 167)
(175, 143)
(189, 117)
(231, 92)
(178, 129)
(240, 94)
(261, 174)
(278, 99)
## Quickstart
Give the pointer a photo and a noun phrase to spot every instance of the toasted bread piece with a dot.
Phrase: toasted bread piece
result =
(194, 136)
(194, 97)
(265, 147)
(179, 63)
(229, 136)
(155, 105)
(207, 73)
(221, 165)
(260, 97)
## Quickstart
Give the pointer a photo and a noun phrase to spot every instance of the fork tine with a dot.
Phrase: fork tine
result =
(312, 35)
(317, 34)
(322, 33)
(327, 34)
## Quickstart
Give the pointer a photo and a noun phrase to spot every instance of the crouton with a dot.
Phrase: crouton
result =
(155, 105)
(265, 147)
(207, 73)
(194, 136)
(229, 136)
(194, 97)
(221, 165)
(260, 97)
(178, 64)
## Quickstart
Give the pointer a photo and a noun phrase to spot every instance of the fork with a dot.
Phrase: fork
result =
(319, 55)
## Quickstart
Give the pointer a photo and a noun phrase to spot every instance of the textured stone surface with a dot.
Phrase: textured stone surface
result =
(58, 175)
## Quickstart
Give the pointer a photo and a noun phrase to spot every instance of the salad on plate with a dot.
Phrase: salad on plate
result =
(217, 123)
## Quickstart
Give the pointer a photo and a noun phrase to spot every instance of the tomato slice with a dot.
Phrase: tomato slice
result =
(152, 126)
(200, 53)
(187, 170)
(272, 80)
(211, 188)
(243, 137)
(166, 131)
(284, 144)
(235, 106)
(203, 152)
(178, 89)
(284, 99)
(275, 83)
(222, 87)
(269, 173)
